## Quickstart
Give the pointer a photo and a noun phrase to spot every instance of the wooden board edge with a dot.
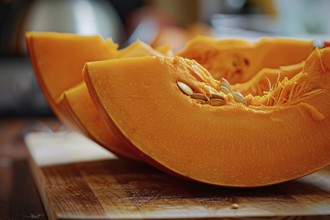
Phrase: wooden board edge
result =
(39, 178)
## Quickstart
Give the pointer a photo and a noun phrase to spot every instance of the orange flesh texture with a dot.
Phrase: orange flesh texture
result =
(239, 60)
(230, 145)
(166, 50)
(85, 113)
(138, 49)
(58, 60)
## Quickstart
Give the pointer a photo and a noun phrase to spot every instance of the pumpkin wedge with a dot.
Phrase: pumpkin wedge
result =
(238, 60)
(175, 113)
(138, 49)
(58, 59)
(79, 104)
(82, 109)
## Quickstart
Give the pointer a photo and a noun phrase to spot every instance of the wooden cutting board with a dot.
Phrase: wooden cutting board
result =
(79, 180)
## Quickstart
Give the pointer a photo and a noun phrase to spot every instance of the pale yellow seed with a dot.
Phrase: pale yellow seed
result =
(217, 96)
(225, 83)
(199, 96)
(185, 88)
(224, 90)
(234, 206)
(238, 97)
(216, 102)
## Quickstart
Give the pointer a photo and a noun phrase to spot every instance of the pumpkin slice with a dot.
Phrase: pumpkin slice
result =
(58, 59)
(238, 60)
(83, 111)
(138, 49)
(172, 111)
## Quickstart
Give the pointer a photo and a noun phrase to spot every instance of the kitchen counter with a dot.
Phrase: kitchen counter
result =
(19, 198)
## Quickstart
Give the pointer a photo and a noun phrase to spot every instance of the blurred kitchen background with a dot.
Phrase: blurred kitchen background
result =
(156, 22)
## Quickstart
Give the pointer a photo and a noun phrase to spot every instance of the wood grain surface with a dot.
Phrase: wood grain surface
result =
(118, 189)
(19, 197)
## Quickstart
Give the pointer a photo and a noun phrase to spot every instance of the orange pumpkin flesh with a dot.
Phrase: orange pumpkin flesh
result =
(83, 110)
(58, 70)
(233, 144)
(58, 60)
(75, 107)
(138, 49)
(238, 60)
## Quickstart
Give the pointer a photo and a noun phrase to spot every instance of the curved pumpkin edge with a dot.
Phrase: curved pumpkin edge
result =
(52, 103)
(103, 114)
(85, 131)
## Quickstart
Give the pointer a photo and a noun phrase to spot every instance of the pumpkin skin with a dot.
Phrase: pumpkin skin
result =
(238, 60)
(229, 145)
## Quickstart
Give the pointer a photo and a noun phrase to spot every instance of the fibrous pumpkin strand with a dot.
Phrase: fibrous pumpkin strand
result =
(285, 91)
(289, 91)
(206, 90)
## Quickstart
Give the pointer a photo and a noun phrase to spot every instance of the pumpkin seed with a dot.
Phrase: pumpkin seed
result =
(225, 83)
(217, 96)
(238, 97)
(216, 102)
(234, 206)
(185, 88)
(224, 90)
(199, 96)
